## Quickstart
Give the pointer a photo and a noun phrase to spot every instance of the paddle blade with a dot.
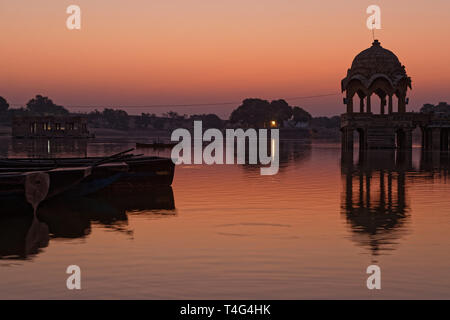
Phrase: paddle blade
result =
(37, 185)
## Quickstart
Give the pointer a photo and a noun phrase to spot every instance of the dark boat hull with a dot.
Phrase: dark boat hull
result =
(144, 174)
(142, 171)
(101, 177)
(23, 188)
(64, 179)
(17, 190)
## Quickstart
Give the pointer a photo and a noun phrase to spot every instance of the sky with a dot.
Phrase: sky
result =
(172, 52)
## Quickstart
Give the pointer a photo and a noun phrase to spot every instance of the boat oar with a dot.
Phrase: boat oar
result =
(111, 158)
(37, 185)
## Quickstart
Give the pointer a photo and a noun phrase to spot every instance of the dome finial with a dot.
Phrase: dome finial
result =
(376, 43)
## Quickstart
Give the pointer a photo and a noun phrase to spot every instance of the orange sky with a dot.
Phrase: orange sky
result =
(181, 52)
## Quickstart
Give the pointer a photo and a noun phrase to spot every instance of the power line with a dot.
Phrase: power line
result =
(190, 104)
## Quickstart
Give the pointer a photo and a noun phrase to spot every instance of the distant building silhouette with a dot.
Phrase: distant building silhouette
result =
(50, 127)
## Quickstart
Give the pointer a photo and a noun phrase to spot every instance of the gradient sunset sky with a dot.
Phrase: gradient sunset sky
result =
(135, 53)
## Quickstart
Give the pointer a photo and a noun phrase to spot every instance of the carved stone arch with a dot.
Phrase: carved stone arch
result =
(362, 93)
(355, 86)
(380, 77)
(382, 87)
(383, 84)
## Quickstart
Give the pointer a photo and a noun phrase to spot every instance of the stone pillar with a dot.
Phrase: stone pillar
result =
(368, 105)
(444, 139)
(404, 155)
(436, 159)
(347, 160)
(390, 104)
(436, 139)
(349, 101)
(402, 104)
(408, 139)
(361, 105)
(427, 139)
(382, 105)
(362, 139)
(347, 139)
(422, 131)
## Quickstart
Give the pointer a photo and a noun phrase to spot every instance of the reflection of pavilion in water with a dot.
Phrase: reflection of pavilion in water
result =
(22, 235)
(375, 200)
(436, 163)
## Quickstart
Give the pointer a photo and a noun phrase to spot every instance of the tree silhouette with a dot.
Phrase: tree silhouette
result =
(442, 108)
(300, 115)
(144, 120)
(280, 111)
(116, 119)
(259, 113)
(208, 120)
(44, 106)
(325, 122)
(3, 105)
(252, 113)
(174, 115)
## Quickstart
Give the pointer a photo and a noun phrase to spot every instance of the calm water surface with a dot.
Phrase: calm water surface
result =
(226, 232)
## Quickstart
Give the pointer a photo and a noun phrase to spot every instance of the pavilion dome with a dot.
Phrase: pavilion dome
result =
(373, 63)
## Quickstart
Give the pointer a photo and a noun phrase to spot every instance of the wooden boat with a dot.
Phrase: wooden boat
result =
(35, 187)
(144, 172)
(32, 188)
(141, 171)
(156, 145)
(19, 163)
(101, 177)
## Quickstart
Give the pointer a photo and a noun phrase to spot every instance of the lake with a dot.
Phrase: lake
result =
(226, 232)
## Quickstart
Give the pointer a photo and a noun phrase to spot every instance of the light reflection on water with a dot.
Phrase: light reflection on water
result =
(227, 232)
